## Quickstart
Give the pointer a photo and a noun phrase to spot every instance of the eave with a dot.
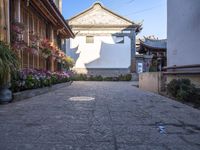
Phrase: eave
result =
(144, 46)
(50, 12)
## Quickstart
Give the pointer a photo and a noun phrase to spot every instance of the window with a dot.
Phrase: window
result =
(119, 39)
(89, 39)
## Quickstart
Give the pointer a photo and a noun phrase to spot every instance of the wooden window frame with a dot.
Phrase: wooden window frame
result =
(89, 39)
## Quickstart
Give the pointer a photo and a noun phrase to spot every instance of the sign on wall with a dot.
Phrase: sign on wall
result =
(140, 67)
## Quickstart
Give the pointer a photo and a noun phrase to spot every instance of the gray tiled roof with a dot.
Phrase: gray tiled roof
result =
(154, 43)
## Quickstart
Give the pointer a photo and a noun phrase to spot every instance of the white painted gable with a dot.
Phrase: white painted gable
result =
(98, 15)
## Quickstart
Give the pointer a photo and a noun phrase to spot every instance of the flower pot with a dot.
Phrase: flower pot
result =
(5, 95)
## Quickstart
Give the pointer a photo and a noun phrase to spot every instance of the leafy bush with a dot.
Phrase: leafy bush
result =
(108, 79)
(82, 77)
(79, 77)
(9, 62)
(126, 77)
(183, 89)
(95, 78)
(69, 62)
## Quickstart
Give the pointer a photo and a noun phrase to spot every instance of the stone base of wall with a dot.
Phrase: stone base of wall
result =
(111, 72)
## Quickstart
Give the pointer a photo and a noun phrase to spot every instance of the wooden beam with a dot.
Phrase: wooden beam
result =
(45, 12)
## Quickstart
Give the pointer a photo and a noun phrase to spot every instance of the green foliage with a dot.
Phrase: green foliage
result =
(95, 78)
(126, 77)
(46, 51)
(79, 77)
(83, 77)
(183, 89)
(108, 79)
(152, 69)
(8, 63)
(69, 62)
(54, 79)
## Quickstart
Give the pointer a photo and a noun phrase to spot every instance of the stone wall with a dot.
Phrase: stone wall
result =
(151, 81)
(183, 28)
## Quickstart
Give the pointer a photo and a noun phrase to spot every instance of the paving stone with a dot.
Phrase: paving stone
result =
(121, 117)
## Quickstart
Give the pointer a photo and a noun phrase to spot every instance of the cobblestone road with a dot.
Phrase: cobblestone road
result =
(121, 117)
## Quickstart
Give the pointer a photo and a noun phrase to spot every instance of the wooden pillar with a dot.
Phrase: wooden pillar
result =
(8, 20)
(38, 32)
(4, 21)
(28, 30)
(52, 60)
(18, 13)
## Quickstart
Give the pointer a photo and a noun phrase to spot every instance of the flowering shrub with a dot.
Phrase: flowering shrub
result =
(46, 48)
(33, 78)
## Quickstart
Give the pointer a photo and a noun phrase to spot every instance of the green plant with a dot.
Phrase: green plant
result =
(108, 79)
(8, 63)
(126, 77)
(54, 79)
(68, 61)
(46, 51)
(153, 69)
(80, 77)
(183, 89)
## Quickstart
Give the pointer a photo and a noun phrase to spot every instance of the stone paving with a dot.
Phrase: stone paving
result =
(121, 117)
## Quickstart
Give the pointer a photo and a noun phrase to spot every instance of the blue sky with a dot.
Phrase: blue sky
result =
(153, 13)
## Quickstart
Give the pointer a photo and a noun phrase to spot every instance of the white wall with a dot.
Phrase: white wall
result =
(103, 53)
(183, 45)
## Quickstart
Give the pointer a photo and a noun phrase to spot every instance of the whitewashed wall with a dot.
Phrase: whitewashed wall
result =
(103, 53)
(183, 32)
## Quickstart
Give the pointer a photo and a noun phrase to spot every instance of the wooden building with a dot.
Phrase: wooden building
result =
(36, 30)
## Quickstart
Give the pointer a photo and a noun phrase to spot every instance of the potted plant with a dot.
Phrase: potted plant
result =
(68, 62)
(45, 47)
(8, 64)
(46, 52)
